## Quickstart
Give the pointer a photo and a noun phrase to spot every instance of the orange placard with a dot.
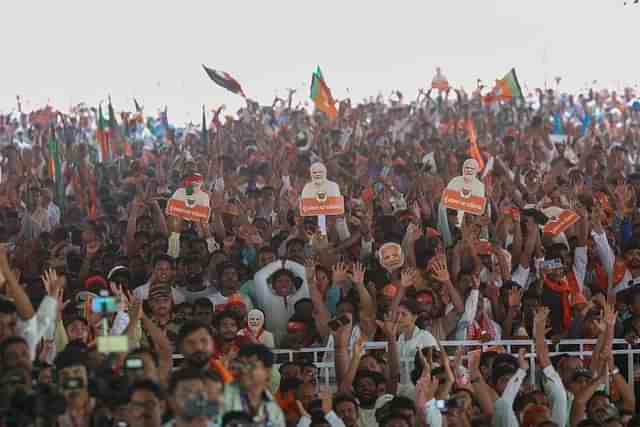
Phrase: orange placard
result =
(315, 207)
(453, 199)
(511, 212)
(180, 209)
(560, 223)
(442, 85)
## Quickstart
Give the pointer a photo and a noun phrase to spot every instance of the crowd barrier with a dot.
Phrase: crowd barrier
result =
(320, 356)
(579, 347)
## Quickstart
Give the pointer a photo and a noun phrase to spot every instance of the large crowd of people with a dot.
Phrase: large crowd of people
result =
(119, 310)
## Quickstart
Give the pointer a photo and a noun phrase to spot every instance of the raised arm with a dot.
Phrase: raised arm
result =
(389, 328)
(320, 311)
(441, 274)
(367, 311)
(24, 307)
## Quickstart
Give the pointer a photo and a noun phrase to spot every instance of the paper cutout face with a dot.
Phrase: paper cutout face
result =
(190, 202)
(320, 187)
(321, 196)
(390, 256)
(318, 173)
(470, 168)
(466, 192)
(255, 321)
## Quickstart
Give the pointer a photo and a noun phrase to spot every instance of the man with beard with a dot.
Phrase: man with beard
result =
(73, 375)
(147, 404)
(228, 327)
(196, 344)
(228, 286)
(195, 285)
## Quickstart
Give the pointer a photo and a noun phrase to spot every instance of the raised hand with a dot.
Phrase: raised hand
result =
(426, 387)
(340, 272)
(310, 269)
(135, 309)
(440, 270)
(540, 320)
(390, 326)
(358, 273)
(53, 284)
(408, 277)
(123, 297)
(610, 315)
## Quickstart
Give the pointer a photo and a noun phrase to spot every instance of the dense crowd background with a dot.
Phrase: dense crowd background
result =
(205, 307)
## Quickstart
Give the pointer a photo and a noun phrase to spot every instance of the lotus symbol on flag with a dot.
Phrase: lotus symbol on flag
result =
(321, 196)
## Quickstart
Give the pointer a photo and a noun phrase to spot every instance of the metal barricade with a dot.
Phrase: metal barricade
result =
(326, 366)
(621, 347)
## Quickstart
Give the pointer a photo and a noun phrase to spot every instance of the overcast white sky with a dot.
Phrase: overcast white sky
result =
(67, 51)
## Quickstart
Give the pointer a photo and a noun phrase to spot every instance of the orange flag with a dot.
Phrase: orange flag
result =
(474, 150)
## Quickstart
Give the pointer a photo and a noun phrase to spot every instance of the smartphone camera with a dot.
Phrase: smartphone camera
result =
(104, 304)
(134, 363)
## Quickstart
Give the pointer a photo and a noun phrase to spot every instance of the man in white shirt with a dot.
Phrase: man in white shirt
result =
(411, 337)
(17, 316)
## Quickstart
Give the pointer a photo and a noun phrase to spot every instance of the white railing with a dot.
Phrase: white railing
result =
(326, 368)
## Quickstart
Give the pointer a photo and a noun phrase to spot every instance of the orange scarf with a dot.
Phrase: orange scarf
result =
(619, 269)
(217, 366)
(563, 288)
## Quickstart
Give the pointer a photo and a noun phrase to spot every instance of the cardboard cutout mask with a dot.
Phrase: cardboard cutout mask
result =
(466, 192)
(321, 196)
(255, 321)
(190, 202)
(391, 256)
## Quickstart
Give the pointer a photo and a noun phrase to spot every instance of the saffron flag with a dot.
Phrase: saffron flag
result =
(474, 149)
(321, 95)
(225, 80)
(102, 135)
(506, 88)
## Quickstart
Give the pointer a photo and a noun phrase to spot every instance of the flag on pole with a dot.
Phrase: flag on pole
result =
(204, 136)
(55, 166)
(225, 80)
(506, 88)
(321, 95)
(138, 106)
(102, 136)
(474, 149)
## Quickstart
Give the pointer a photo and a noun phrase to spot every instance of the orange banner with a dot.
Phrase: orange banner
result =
(452, 199)
(560, 223)
(314, 207)
(179, 208)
